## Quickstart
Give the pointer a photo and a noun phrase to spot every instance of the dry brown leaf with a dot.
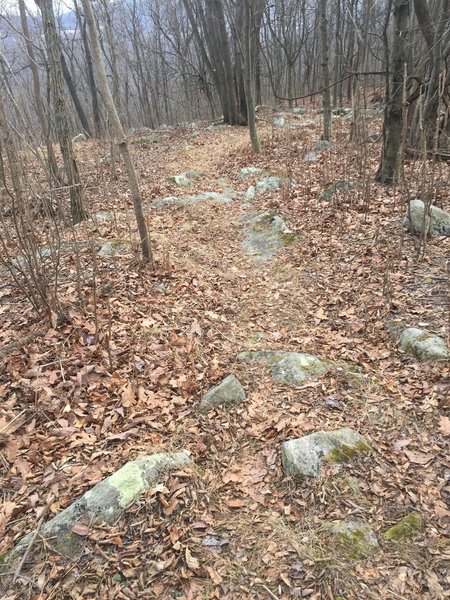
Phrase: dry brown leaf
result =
(444, 425)
(418, 458)
(191, 561)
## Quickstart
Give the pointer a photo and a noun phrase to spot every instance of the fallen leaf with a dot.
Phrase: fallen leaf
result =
(191, 561)
(80, 529)
(444, 425)
(418, 458)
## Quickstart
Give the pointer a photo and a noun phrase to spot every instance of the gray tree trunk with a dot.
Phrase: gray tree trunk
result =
(60, 111)
(391, 160)
(325, 71)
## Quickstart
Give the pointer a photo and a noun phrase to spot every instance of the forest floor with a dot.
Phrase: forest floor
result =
(123, 376)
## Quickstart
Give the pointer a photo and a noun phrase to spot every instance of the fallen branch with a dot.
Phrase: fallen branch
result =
(20, 343)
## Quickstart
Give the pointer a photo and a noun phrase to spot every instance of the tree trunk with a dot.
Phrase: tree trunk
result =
(40, 111)
(118, 131)
(325, 71)
(60, 110)
(391, 160)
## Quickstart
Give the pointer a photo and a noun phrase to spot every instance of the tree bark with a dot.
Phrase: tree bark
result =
(325, 71)
(60, 110)
(391, 160)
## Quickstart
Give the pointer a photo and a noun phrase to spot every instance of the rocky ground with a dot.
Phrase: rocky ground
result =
(291, 271)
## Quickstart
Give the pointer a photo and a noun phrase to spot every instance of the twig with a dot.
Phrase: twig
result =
(271, 594)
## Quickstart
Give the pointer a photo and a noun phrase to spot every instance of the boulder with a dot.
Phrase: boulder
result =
(227, 392)
(105, 502)
(267, 184)
(294, 368)
(278, 122)
(436, 221)
(303, 457)
(265, 234)
(79, 138)
(353, 539)
(179, 180)
(247, 172)
(298, 110)
(424, 345)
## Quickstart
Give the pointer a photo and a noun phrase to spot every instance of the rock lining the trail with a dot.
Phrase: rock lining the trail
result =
(424, 345)
(272, 182)
(194, 199)
(303, 457)
(435, 222)
(294, 368)
(227, 392)
(247, 172)
(265, 234)
(353, 539)
(113, 247)
(105, 502)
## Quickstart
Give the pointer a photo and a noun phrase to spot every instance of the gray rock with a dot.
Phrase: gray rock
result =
(298, 110)
(303, 457)
(265, 234)
(341, 186)
(292, 368)
(189, 200)
(341, 112)
(267, 184)
(424, 345)
(194, 174)
(250, 193)
(179, 180)
(436, 221)
(113, 247)
(227, 392)
(353, 539)
(105, 502)
(311, 157)
(247, 172)
(79, 138)
(278, 122)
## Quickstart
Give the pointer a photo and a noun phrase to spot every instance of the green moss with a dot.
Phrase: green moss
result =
(4, 556)
(408, 528)
(343, 453)
(288, 238)
(355, 543)
(351, 484)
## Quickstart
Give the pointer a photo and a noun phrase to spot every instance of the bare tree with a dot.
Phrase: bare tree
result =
(118, 131)
(325, 70)
(60, 111)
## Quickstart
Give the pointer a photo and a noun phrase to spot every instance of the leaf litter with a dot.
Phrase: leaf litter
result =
(123, 378)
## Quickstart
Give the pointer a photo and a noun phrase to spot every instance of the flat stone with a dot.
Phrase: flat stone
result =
(436, 221)
(189, 200)
(227, 392)
(106, 501)
(292, 368)
(353, 539)
(113, 247)
(303, 457)
(247, 172)
(424, 345)
(265, 234)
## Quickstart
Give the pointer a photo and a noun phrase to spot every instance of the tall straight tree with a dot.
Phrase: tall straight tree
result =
(325, 70)
(391, 159)
(118, 130)
(58, 93)
(39, 103)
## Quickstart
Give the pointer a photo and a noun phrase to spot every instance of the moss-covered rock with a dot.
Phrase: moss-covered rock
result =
(303, 457)
(353, 539)
(227, 392)
(105, 502)
(424, 345)
(294, 368)
(265, 234)
(408, 528)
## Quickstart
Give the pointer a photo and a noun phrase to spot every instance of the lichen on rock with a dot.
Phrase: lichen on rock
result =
(353, 539)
